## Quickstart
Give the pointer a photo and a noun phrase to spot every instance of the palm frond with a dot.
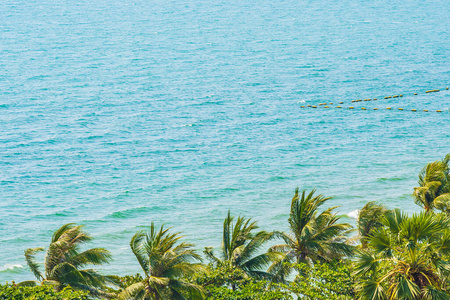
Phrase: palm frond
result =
(31, 261)
(380, 241)
(369, 218)
(29, 283)
(94, 256)
(261, 261)
(138, 250)
(66, 273)
(282, 268)
(393, 219)
(63, 229)
(192, 291)
(442, 202)
(372, 290)
(366, 262)
(251, 248)
(433, 293)
(210, 255)
(404, 288)
(183, 269)
(226, 240)
(132, 290)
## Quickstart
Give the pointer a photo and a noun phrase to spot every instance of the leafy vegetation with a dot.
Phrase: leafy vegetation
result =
(434, 186)
(315, 237)
(407, 258)
(239, 246)
(165, 262)
(332, 280)
(42, 292)
(221, 276)
(64, 262)
(393, 256)
(369, 220)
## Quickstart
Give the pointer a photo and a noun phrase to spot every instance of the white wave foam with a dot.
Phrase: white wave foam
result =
(11, 267)
(354, 214)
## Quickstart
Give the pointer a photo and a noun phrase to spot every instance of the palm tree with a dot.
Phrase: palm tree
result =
(165, 264)
(434, 186)
(369, 218)
(314, 237)
(406, 258)
(63, 262)
(240, 245)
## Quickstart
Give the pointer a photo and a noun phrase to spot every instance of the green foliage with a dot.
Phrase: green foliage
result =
(407, 258)
(223, 281)
(129, 280)
(369, 219)
(241, 245)
(434, 186)
(401, 257)
(42, 292)
(251, 290)
(165, 262)
(333, 280)
(314, 237)
(124, 282)
(64, 262)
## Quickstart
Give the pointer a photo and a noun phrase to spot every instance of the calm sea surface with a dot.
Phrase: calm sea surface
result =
(114, 114)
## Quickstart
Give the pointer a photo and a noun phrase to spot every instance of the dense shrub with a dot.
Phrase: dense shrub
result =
(223, 282)
(333, 280)
(41, 292)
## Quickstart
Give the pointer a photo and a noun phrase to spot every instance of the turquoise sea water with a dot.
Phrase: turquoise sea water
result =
(114, 114)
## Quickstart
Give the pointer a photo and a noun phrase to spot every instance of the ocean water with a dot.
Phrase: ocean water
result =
(114, 114)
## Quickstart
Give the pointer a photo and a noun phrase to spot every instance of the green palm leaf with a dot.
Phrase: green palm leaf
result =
(372, 290)
(404, 288)
(29, 283)
(366, 263)
(192, 291)
(314, 236)
(165, 261)
(94, 256)
(31, 261)
(132, 290)
(432, 293)
(63, 261)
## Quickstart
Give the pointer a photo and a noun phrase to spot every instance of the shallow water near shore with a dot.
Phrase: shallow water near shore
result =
(115, 114)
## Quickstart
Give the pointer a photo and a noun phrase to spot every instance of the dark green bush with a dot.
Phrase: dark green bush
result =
(333, 280)
(225, 282)
(41, 292)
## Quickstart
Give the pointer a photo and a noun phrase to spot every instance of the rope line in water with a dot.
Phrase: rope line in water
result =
(390, 97)
(375, 108)
(326, 105)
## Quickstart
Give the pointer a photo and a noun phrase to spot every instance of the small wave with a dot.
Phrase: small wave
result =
(384, 179)
(354, 214)
(276, 178)
(61, 213)
(127, 213)
(11, 267)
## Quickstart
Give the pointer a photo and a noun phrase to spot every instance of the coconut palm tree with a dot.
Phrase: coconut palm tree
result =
(369, 218)
(434, 186)
(64, 262)
(165, 262)
(240, 246)
(314, 236)
(407, 258)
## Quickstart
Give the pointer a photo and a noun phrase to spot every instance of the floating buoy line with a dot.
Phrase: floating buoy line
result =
(327, 104)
